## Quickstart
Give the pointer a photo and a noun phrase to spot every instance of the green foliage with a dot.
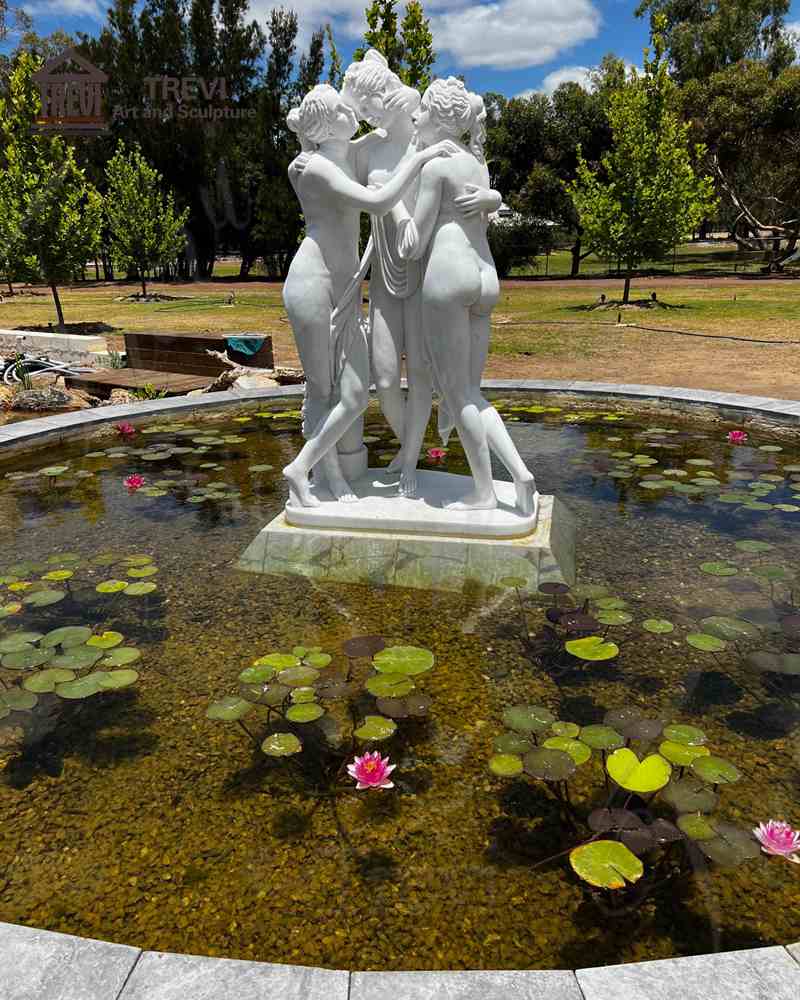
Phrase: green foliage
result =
(335, 71)
(408, 47)
(516, 242)
(148, 391)
(645, 197)
(145, 231)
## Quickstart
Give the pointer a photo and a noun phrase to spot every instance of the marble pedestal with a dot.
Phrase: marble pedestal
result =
(384, 540)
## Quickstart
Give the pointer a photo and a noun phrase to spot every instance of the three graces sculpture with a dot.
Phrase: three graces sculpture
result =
(422, 178)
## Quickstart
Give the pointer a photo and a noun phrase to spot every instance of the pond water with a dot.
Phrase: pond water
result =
(129, 815)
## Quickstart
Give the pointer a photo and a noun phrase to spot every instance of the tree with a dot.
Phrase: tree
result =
(145, 230)
(645, 196)
(335, 71)
(706, 36)
(312, 63)
(408, 47)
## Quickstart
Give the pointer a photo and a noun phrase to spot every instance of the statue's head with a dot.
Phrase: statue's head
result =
(367, 85)
(322, 115)
(477, 128)
(446, 112)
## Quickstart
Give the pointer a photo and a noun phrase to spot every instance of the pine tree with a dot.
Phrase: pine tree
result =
(418, 52)
(145, 230)
(381, 33)
(335, 71)
(645, 196)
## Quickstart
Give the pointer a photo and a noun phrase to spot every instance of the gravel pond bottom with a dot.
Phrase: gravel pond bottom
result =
(131, 816)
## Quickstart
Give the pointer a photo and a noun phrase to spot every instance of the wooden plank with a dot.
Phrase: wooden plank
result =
(174, 352)
(183, 362)
(101, 383)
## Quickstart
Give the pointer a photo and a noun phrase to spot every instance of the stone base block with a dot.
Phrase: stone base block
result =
(422, 561)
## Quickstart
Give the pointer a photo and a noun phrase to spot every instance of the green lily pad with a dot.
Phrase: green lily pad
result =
(58, 575)
(680, 754)
(731, 846)
(607, 864)
(718, 569)
(565, 729)
(614, 617)
(579, 752)
(281, 745)
(658, 626)
(408, 660)
(706, 643)
(257, 675)
(18, 700)
(138, 559)
(139, 589)
(505, 765)
(27, 659)
(690, 795)
(280, 661)
(389, 685)
(114, 680)
(317, 660)
(122, 656)
(724, 627)
(231, 708)
(301, 696)
(775, 663)
(548, 765)
(305, 712)
(53, 471)
(601, 737)
(512, 743)
(515, 582)
(767, 572)
(69, 635)
(43, 598)
(752, 545)
(696, 826)
(141, 572)
(298, 676)
(699, 461)
(593, 648)
(111, 586)
(528, 718)
(82, 687)
(689, 736)
(644, 777)
(108, 640)
(15, 644)
(44, 681)
(715, 770)
(375, 727)
(611, 603)
(77, 658)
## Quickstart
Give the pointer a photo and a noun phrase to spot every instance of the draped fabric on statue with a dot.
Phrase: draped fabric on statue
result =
(401, 277)
(349, 325)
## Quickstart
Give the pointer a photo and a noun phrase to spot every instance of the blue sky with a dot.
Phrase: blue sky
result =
(511, 46)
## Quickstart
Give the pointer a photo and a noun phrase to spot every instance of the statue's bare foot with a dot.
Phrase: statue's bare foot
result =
(341, 489)
(527, 496)
(474, 501)
(300, 494)
(408, 484)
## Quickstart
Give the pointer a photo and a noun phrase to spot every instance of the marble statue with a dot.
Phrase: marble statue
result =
(433, 283)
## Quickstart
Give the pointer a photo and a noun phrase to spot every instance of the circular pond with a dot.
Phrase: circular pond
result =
(170, 782)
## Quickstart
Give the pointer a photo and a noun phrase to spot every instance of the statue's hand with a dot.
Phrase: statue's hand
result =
(299, 163)
(476, 200)
(445, 148)
(407, 239)
(406, 99)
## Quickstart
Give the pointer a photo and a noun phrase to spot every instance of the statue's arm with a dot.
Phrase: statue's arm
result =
(415, 234)
(477, 200)
(360, 150)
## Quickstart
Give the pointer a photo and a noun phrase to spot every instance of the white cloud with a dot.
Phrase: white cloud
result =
(511, 34)
(88, 8)
(567, 74)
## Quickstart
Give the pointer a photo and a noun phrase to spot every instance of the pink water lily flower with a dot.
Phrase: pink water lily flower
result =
(737, 437)
(133, 483)
(371, 771)
(437, 454)
(779, 838)
(125, 430)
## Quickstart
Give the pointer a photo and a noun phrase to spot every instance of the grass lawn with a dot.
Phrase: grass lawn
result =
(541, 329)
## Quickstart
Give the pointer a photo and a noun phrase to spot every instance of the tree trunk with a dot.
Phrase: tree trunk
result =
(10, 286)
(576, 257)
(144, 286)
(96, 270)
(59, 310)
(626, 295)
(245, 265)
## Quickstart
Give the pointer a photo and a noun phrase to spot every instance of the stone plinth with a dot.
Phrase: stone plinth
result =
(423, 559)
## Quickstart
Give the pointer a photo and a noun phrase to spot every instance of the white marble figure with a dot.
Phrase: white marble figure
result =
(460, 288)
(322, 292)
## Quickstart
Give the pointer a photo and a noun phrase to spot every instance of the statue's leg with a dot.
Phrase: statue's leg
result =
(387, 334)
(420, 395)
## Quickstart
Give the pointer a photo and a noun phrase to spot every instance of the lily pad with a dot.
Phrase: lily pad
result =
(528, 718)
(108, 640)
(601, 737)
(658, 626)
(281, 745)
(593, 648)
(775, 663)
(114, 680)
(15, 644)
(724, 627)
(27, 659)
(317, 660)
(298, 676)
(376, 727)
(505, 765)
(44, 681)
(302, 696)
(122, 656)
(111, 586)
(139, 589)
(257, 675)
(579, 752)
(43, 598)
(606, 864)
(141, 572)
(715, 770)
(231, 708)
(614, 617)
(82, 687)
(753, 545)
(565, 729)
(767, 572)
(690, 795)
(706, 643)
(69, 635)
(408, 660)
(719, 569)
(643, 777)
(511, 743)
(77, 658)
(611, 603)
(690, 736)
(18, 700)
(305, 712)
(731, 846)
(696, 826)
(680, 754)
(389, 685)
(548, 765)
(280, 661)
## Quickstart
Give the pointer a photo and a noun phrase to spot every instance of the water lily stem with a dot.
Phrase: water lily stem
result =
(523, 613)
(244, 727)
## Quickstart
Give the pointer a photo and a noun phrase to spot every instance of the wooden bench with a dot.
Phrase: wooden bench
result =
(176, 363)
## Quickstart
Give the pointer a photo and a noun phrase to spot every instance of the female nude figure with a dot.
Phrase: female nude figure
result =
(459, 291)
(322, 290)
